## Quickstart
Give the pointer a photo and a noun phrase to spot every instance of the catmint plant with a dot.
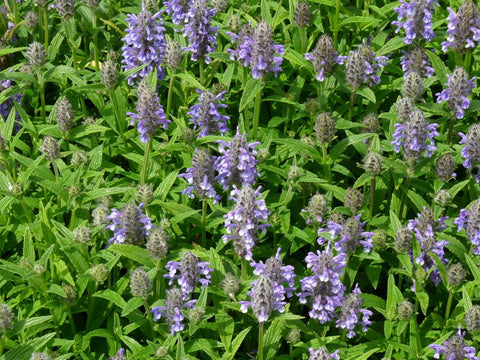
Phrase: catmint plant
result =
(458, 88)
(416, 18)
(206, 115)
(470, 221)
(322, 354)
(349, 235)
(463, 28)
(471, 149)
(455, 348)
(417, 60)
(144, 44)
(351, 312)
(129, 226)
(243, 221)
(324, 57)
(177, 9)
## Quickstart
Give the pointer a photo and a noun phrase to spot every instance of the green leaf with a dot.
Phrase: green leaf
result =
(230, 355)
(273, 335)
(298, 147)
(473, 268)
(132, 304)
(439, 67)
(25, 350)
(111, 296)
(133, 252)
(162, 191)
(455, 189)
(252, 88)
(225, 327)
(423, 298)
(373, 273)
(368, 94)
(417, 200)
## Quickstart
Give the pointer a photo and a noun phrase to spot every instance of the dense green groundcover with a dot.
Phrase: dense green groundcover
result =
(88, 202)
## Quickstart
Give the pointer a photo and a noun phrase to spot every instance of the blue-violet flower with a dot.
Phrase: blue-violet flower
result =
(206, 116)
(471, 149)
(458, 88)
(470, 221)
(324, 57)
(129, 226)
(416, 18)
(350, 234)
(463, 27)
(455, 348)
(351, 311)
(322, 354)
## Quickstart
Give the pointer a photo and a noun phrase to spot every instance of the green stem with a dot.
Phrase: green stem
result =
(69, 31)
(72, 218)
(202, 72)
(2, 342)
(244, 265)
(95, 41)
(449, 306)
(256, 116)
(352, 104)
(405, 189)
(41, 83)
(372, 197)
(335, 23)
(45, 26)
(57, 181)
(450, 129)
(204, 223)
(27, 213)
(170, 94)
(260, 342)
(303, 40)
(146, 156)
(159, 280)
(246, 114)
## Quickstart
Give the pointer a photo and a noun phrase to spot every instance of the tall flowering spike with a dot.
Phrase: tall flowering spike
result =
(65, 115)
(140, 283)
(244, 44)
(201, 176)
(362, 67)
(172, 310)
(202, 36)
(263, 59)
(322, 354)
(413, 135)
(177, 9)
(324, 287)
(350, 235)
(458, 88)
(324, 57)
(405, 109)
(470, 221)
(324, 128)
(150, 114)
(265, 297)
(354, 200)
(351, 312)
(455, 348)
(129, 226)
(188, 273)
(471, 149)
(412, 86)
(463, 28)
(65, 8)
(472, 319)
(416, 18)
(144, 44)
(417, 60)
(237, 164)
(316, 209)
(36, 54)
(303, 14)
(424, 227)
(243, 221)
(281, 275)
(445, 167)
(206, 116)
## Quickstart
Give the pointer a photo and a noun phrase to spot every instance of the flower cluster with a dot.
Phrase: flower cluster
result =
(150, 112)
(324, 287)
(258, 50)
(316, 209)
(237, 164)
(350, 234)
(322, 354)
(243, 221)
(144, 44)
(471, 149)
(458, 88)
(350, 313)
(280, 274)
(470, 221)
(324, 57)
(6, 106)
(202, 36)
(177, 9)
(265, 298)
(455, 348)
(362, 67)
(416, 18)
(413, 135)
(201, 176)
(206, 116)
(187, 272)
(172, 310)
(417, 61)
(424, 227)
(129, 226)
(463, 27)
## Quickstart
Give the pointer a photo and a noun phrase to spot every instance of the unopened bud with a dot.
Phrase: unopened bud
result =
(324, 128)
(99, 273)
(145, 193)
(405, 310)
(354, 200)
(140, 284)
(50, 148)
(109, 74)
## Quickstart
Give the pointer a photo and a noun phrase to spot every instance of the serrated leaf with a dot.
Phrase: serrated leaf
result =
(423, 299)
(439, 67)
(395, 222)
(225, 327)
(132, 304)
(133, 252)
(368, 94)
(111, 296)
(272, 338)
(252, 88)
(25, 350)
(162, 191)
(392, 45)
(230, 355)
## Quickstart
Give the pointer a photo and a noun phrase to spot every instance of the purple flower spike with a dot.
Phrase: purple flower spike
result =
(257, 50)
(418, 61)
(322, 354)
(150, 113)
(279, 273)
(172, 310)
(237, 164)
(120, 355)
(351, 311)
(455, 348)
(463, 28)
(144, 44)
(206, 116)
(349, 234)
(265, 297)
(129, 226)
(6, 106)
(177, 9)
(362, 67)
(187, 272)
(413, 136)
(458, 88)
(243, 221)
(324, 287)
(202, 36)
(416, 18)
(324, 57)
(471, 149)
(424, 227)
(470, 221)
